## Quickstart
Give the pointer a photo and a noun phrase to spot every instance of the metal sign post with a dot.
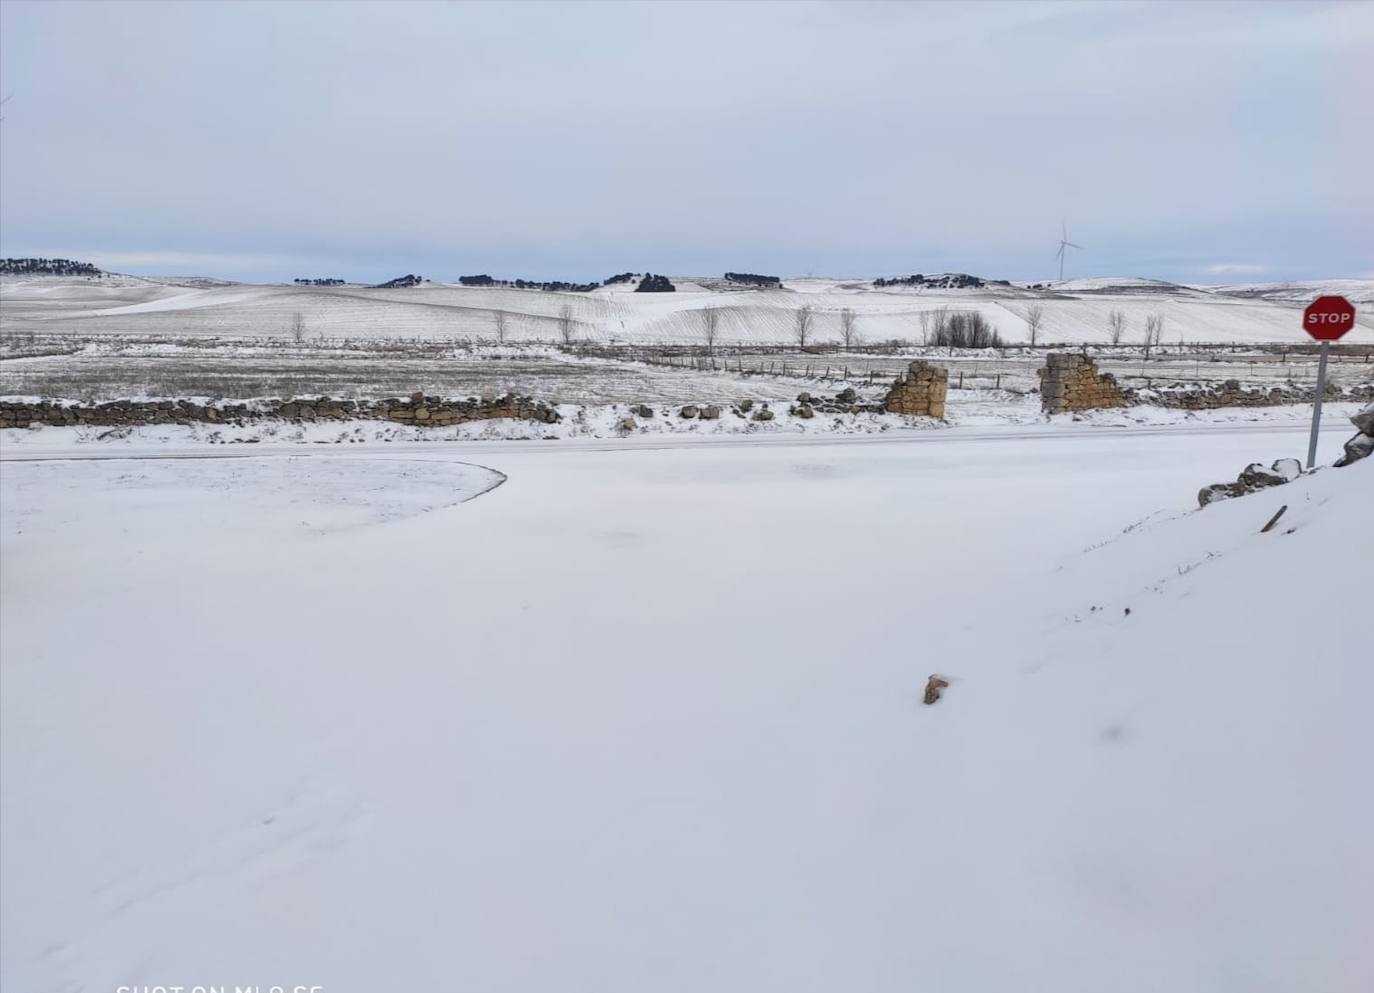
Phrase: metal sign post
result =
(1317, 406)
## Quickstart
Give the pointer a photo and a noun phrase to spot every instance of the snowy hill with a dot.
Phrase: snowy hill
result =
(1179, 751)
(1357, 291)
(1075, 311)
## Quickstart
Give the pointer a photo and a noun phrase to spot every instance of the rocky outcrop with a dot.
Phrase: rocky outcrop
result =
(1253, 478)
(1071, 382)
(1362, 444)
(419, 409)
(920, 392)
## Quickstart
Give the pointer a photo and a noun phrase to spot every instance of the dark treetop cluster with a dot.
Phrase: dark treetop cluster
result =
(655, 284)
(553, 285)
(47, 267)
(753, 279)
(399, 282)
(327, 281)
(945, 281)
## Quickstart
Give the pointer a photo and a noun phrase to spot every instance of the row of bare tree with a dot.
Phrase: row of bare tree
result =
(803, 321)
(1154, 329)
(938, 327)
(1116, 327)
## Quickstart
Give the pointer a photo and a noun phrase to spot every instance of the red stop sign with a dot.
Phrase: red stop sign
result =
(1327, 318)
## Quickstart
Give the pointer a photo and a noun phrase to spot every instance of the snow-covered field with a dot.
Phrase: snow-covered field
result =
(124, 336)
(122, 368)
(1074, 312)
(649, 717)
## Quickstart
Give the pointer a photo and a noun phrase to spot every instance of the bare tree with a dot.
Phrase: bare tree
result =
(298, 327)
(941, 322)
(1116, 326)
(804, 317)
(565, 324)
(925, 327)
(848, 320)
(500, 316)
(1034, 315)
(1154, 331)
(710, 327)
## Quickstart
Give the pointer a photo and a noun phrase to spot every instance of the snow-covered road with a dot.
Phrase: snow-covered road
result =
(647, 717)
(1334, 430)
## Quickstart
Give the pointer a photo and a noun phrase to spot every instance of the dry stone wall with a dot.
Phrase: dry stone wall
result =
(919, 392)
(1232, 394)
(1070, 382)
(420, 410)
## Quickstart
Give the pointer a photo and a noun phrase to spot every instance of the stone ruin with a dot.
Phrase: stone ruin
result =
(1070, 382)
(919, 392)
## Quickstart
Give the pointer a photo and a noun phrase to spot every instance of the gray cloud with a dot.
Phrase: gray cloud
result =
(574, 140)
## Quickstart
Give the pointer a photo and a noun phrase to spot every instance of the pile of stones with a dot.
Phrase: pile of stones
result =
(844, 402)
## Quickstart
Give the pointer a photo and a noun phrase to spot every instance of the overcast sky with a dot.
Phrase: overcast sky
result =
(1199, 142)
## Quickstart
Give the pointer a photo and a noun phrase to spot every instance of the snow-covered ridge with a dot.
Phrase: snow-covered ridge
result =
(1075, 311)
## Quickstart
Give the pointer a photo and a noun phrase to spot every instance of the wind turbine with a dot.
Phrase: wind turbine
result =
(1063, 244)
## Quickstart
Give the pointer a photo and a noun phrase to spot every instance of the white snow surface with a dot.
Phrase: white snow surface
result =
(649, 718)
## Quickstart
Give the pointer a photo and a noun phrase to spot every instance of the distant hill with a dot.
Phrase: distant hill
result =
(1073, 312)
